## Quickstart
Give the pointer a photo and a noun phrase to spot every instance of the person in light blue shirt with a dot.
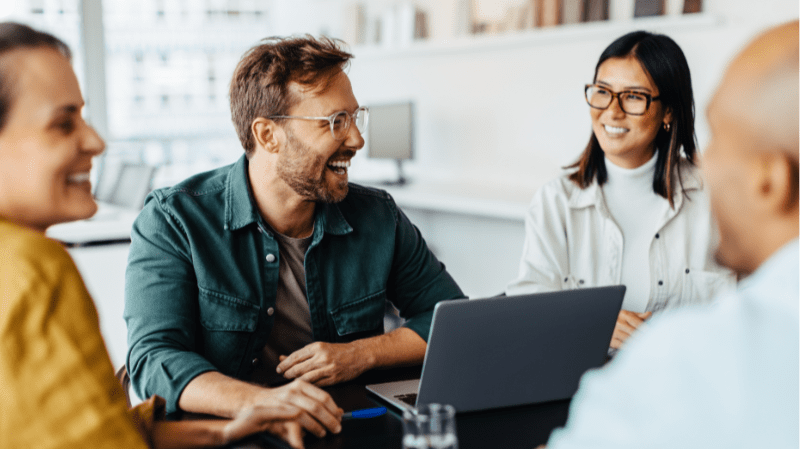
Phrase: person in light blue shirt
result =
(724, 375)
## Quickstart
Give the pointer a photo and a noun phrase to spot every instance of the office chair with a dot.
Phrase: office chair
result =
(133, 183)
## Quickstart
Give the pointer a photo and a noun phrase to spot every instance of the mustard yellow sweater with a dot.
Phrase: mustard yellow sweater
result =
(57, 384)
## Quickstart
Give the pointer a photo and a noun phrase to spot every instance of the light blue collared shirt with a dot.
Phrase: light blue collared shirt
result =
(724, 375)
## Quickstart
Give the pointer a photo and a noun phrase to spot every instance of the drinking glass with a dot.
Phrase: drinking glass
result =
(431, 426)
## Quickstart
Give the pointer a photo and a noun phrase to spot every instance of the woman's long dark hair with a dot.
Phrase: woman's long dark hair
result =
(664, 61)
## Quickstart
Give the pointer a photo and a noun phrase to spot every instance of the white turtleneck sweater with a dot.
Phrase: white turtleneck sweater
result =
(637, 210)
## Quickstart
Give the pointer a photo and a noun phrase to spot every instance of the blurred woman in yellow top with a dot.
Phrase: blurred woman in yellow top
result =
(57, 385)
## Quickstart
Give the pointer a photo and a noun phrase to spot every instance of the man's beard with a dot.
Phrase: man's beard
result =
(304, 172)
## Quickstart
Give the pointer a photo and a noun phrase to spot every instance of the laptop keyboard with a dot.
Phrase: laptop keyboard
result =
(410, 399)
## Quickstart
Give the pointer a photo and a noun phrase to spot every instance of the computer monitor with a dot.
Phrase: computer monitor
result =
(390, 134)
(134, 182)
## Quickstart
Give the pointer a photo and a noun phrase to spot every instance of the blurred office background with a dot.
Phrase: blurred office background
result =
(496, 88)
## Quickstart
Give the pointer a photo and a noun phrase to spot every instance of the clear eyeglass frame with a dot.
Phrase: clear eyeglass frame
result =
(628, 105)
(339, 121)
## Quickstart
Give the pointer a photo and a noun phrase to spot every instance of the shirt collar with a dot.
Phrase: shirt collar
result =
(781, 266)
(329, 217)
(240, 208)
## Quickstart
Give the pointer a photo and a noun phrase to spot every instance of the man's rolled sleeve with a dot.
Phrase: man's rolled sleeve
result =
(418, 281)
(161, 307)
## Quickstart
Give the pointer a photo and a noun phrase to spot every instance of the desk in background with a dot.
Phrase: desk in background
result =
(110, 225)
(523, 427)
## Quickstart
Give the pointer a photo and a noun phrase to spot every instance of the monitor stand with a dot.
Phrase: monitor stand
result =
(401, 179)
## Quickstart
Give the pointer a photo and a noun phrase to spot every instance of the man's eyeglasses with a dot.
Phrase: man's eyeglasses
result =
(630, 101)
(339, 121)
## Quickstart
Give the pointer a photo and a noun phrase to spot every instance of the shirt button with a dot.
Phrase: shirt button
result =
(255, 362)
(270, 258)
(270, 311)
(660, 282)
(687, 271)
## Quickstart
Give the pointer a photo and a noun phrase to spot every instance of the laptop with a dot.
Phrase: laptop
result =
(514, 350)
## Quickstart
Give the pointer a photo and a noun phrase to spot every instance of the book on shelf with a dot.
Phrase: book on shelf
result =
(549, 12)
(594, 10)
(572, 11)
(692, 6)
(355, 24)
(421, 25)
(647, 8)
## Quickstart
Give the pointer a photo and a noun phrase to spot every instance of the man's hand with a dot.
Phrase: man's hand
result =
(627, 323)
(326, 363)
(317, 411)
(329, 363)
(282, 420)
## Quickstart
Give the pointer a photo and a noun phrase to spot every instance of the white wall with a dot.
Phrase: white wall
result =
(509, 109)
(103, 271)
(501, 114)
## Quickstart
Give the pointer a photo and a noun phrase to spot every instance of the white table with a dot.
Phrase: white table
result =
(111, 224)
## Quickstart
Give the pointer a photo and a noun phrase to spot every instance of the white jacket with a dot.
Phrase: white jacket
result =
(571, 241)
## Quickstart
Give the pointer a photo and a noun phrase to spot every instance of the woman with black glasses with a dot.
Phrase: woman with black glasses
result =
(633, 210)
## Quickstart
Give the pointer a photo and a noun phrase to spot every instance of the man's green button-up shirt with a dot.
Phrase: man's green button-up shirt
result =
(203, 274)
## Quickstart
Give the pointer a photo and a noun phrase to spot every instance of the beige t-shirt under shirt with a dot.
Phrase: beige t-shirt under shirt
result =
(292, 326)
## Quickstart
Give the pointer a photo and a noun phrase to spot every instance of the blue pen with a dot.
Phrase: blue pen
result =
(355, 414)
(365, 413)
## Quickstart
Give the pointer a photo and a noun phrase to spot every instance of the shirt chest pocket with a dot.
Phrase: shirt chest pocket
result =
(360, 318)
(227, 324)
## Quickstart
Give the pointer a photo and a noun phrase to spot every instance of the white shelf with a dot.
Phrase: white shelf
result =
(539, 36)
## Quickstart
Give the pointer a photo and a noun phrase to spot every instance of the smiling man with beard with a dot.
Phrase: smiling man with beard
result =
(275, 269)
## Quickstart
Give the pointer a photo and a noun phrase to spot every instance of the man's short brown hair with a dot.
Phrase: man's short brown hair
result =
(259, 87)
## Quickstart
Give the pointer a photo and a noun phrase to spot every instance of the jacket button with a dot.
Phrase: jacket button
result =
(270, 258)
(255, 362)
(581, 282)
(687, 271)
(657, 236)
(270, 311)
(660, 282)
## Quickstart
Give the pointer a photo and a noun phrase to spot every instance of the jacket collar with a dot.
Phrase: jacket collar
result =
(241, 210)
(592, 195)
(589, 196)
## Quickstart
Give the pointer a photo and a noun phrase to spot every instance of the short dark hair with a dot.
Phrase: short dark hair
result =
(259, 87)
(666, 64)
(15, 36)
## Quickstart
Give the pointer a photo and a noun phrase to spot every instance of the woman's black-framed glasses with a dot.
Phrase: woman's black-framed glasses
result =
(630, 101)
(339, 121)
